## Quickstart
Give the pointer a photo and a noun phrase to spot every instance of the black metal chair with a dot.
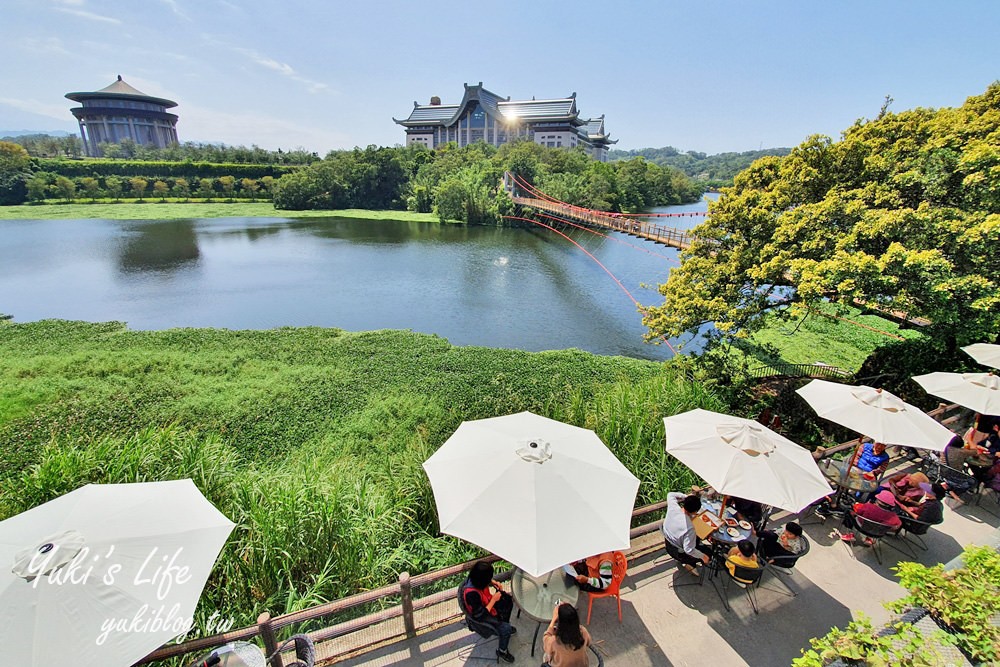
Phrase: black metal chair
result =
(784, 565)
(747, 578)
(874, 530)
(986, 490)
(484, 630)
(916, 529)
(955, 480)
(305, 651)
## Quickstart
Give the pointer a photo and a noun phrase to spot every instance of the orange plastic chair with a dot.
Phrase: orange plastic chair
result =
(618, 569)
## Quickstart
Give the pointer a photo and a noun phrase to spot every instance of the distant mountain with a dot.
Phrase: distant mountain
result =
(21, 133)
(715, 169)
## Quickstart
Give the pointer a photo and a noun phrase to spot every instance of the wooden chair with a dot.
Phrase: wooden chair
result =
(618, 569)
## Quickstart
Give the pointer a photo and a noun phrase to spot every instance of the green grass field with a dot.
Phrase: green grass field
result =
(310, 439)
(813, 338)
(152, 209)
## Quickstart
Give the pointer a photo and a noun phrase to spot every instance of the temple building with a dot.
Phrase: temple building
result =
(485, 116)
(119, 112)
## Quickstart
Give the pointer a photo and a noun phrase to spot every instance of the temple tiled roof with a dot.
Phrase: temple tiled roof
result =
(593, 130)
(121, 89)
(530, 110)
(539, 109)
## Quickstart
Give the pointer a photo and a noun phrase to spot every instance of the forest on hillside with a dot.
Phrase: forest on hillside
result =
(714, 170)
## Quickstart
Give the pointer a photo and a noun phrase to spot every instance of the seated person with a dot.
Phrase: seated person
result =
(750, 510)
(745, 554)
(594, 574)
(788, 543)
(906, 487)
(872, 458)
(705, 492)
(491, 609)
(679, 538)
(992, 441)
(565, 641)
(881, 510)
(953, 478)
(992, 477)
(929, 509)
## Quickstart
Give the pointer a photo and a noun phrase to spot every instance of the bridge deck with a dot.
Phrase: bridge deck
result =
(668, 236)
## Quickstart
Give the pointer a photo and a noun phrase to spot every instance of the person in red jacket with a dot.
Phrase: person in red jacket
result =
(880, 510)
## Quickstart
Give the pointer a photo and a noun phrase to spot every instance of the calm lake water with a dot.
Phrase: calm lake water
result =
(516, 288)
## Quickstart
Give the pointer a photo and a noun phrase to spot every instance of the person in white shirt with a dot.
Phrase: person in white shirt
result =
(679, 537)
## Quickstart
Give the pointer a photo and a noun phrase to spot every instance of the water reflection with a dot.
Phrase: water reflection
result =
(521, 288)
(158, 246)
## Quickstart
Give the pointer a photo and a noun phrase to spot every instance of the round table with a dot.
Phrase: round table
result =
(846, 479)
(721, 535)
(536, 596)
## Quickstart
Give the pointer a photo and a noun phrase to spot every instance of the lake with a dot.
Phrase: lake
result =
(518, 288)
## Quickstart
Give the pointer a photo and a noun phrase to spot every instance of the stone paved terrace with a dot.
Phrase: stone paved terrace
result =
(689, 627)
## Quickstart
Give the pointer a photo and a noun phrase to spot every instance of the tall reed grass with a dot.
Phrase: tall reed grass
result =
(310, 440)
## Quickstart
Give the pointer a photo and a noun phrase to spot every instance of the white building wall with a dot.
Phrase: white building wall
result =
(422, 139)
(556, 138)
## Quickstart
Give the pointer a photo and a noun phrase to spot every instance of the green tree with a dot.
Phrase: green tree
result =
(90, 186)
(903, 213)
(65, 188)
(160, 188)
(138, 186)
(228, 184)
(182, 190)
(38, 187)
(249, 186)
(206, 188)
(268, 183)
(114, 186)
(15, 165)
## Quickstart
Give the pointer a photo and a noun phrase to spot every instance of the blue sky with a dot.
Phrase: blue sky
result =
(700, 75)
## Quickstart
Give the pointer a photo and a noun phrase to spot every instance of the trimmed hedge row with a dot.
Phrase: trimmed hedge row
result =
(129, 168)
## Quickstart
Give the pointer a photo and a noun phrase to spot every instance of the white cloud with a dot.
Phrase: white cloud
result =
(89, 15)
(52, 45)
(282, 68)
(76, 3)
(60, 111)
(176, 9)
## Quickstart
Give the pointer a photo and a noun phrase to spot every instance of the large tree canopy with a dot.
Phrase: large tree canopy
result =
(902, 213)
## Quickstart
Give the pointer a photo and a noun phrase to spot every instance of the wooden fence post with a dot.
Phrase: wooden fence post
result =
(406, 596)
(270, 644)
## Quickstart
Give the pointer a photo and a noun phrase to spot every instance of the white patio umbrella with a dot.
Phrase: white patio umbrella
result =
(739, 457)
(106, 574)
(878, 414)
(987, 354)
(534, 491)
(976, 391)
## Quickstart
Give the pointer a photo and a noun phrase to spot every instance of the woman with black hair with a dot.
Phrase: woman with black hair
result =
(491, 608)
(565, 641)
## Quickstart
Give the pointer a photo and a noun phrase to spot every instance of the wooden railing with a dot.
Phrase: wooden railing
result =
(267, 627)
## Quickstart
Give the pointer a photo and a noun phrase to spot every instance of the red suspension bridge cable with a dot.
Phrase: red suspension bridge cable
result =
(597, 261)
(612, 238)
(541, 195)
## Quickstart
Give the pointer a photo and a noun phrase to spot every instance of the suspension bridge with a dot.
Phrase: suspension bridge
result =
(649, 226)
